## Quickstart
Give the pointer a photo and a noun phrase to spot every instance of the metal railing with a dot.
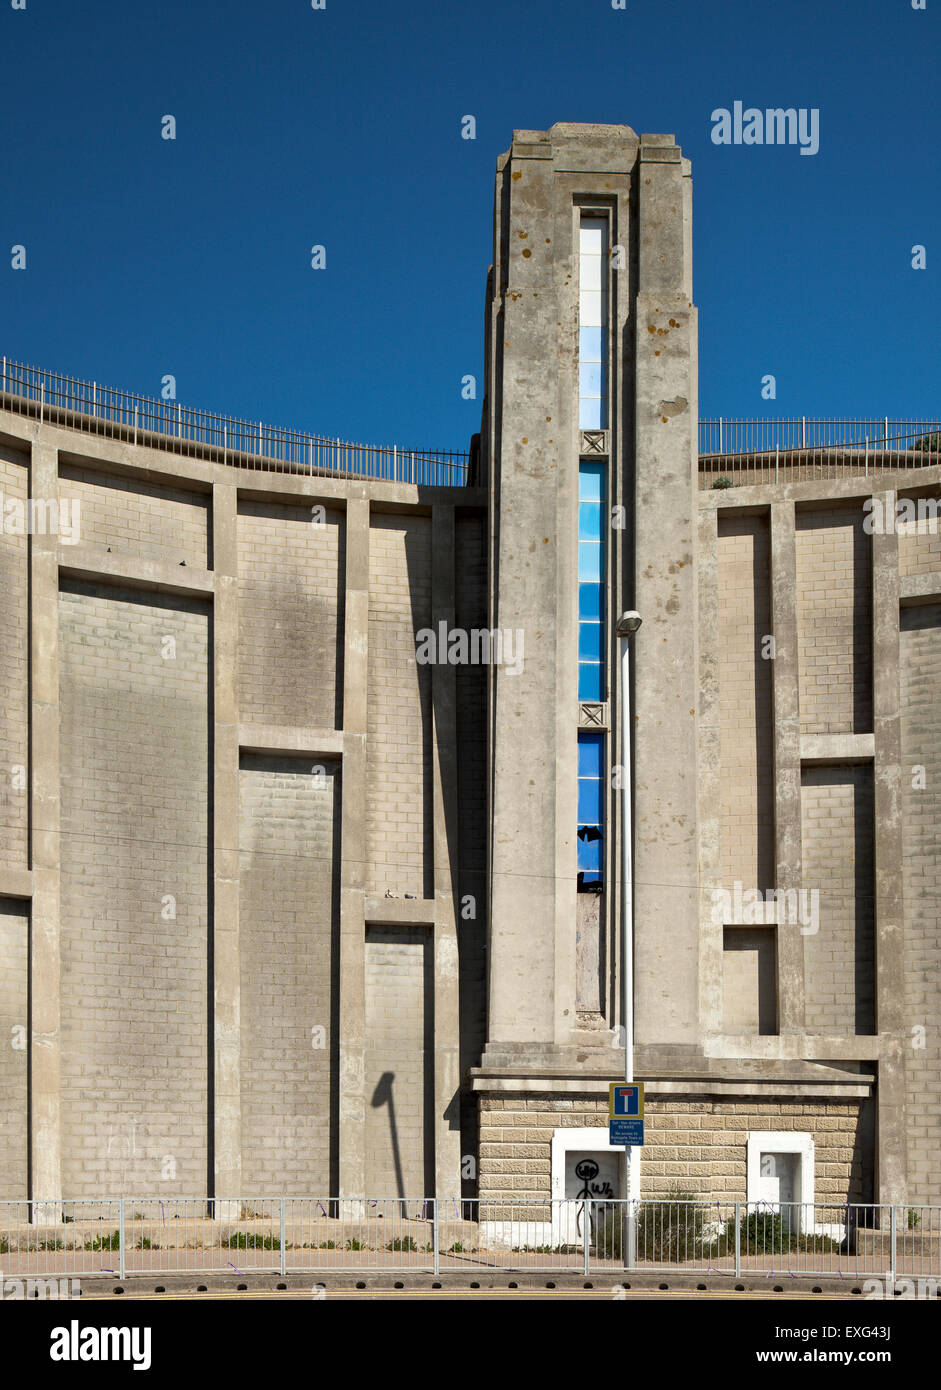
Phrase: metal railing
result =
(732, 452)
(762, 436)
(180, 429)
(127, 1236)
(739, 453)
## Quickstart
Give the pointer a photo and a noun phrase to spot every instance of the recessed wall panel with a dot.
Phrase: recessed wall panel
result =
(398, 788)
(290, 566)
(134, 746)
(14, 1040)
(288, 913)
(837, 909)
(745, 702)
(399, 1062)
(14, 668)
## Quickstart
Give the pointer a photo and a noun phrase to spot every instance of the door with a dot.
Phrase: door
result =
(777, 1185)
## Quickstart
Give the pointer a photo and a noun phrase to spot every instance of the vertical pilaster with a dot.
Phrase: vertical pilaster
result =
(352, 1012)
(226, 973)
(891, 1161)
(447, 1119)
(44, 962)
(666, 710)
(710, 794)
(787, 761)
(532, 850)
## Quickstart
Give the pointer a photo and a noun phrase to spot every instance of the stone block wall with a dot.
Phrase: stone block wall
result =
(399, 1062)
(398, 793)
(921, 870)
(288, 920)
(14, 1054)
(14, 670)
(149, 521)
(745, 702)
(290, 564)
(920, 542)
(834, 621)
(749, 980)
(694, 1145)
(134, 672)
(838, 859)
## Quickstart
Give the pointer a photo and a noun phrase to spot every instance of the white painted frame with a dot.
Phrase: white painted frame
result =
(564, 1141)
(783, 1142)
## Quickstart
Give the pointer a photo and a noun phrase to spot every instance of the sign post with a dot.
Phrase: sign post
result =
(626, 1128)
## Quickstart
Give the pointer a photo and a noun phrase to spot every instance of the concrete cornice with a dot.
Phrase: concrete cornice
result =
(265, 738)
(919, 588)
(826, 491)
(855, 1086)
(837, 748)
(400, 912)
(94, 564)
(16, 883)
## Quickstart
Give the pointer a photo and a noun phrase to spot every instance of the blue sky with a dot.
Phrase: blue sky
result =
(342, 127)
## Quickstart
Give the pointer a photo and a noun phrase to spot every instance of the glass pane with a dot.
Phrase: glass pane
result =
(589, 856)
(590, 749)
(590, 561)
(589, 600)
(589, 801)
(591, 481)
(590, 637)
(591, 413)
(589, 343)
(589, 681)
(591, 516)
(590, 379)
(590, 238)
(589, 307)
(589, 273)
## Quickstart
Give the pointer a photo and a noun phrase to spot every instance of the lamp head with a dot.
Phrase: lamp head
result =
(628, 623)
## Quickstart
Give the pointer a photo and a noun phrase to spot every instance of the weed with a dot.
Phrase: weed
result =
(112, 1242)
(667, 1231)
(242, 1240)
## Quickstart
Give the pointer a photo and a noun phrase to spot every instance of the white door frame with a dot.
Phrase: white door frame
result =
(764, 1141)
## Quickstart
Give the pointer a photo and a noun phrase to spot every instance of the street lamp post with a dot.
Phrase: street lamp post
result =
(627, 625)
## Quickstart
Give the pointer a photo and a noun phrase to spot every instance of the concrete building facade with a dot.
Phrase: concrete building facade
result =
(310, 878)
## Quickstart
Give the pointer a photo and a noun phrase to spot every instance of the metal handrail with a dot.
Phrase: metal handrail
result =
(721, 436)
(245, 443)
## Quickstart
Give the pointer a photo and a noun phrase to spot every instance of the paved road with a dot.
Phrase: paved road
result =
(460, 1295)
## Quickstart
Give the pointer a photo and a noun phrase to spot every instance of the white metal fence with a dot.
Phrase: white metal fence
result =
(737, 453)
(733, 452)
(762, 436)
(180, 429)
(128, 1236)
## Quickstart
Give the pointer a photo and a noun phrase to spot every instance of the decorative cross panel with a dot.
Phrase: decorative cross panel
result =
(595, 443)
(592, 716)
